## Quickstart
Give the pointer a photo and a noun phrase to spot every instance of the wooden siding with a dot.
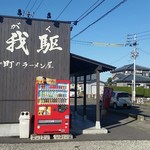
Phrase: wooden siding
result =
(18, 70)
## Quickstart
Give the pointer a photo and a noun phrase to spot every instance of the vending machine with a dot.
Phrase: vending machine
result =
(52, 107)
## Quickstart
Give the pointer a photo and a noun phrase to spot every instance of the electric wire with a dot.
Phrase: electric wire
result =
(103, 44)
(143, 32)
(87, 13)
(64, 9)
(111, 10)
(122, 57)
(98, 43)
(147, 53)
(139, 33)
(142, 39)
(38, 6)
(33, 5)
(145, 35)
(27, 5)
(87, 10)
(82, 42)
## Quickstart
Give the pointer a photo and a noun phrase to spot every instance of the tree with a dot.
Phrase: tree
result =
(109, 81)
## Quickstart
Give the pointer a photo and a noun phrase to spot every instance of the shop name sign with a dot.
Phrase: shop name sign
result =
(18, 42)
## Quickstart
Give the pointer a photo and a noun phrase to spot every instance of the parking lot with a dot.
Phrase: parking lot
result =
(120, 123)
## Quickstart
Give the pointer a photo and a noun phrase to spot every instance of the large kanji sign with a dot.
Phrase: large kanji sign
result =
(30, 48)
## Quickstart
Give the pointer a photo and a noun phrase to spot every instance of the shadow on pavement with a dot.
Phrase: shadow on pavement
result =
(113, 118)
(107, 118)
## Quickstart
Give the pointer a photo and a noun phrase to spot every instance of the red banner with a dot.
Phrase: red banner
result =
(107, 97)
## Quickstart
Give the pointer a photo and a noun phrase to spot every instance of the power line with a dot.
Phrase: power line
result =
(87, 10)
(142, 39)
(144, 35)
(99, 43)
(100, 18)
(82, 42)
(64, 9)
(143, 32)
(147, 53)
(33, 5)
(141, 36)
(139, 33)
(38, 6)
(86, 13)
(102, 44)
(120, 58)
(27, 5)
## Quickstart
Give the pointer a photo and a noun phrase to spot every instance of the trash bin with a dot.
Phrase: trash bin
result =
(24, 124)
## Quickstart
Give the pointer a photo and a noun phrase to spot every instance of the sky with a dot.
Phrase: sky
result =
(115, 26)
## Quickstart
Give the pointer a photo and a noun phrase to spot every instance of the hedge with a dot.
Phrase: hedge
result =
(140, 91)
(147, 93)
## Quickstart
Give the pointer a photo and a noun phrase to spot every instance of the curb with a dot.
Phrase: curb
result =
(137, 117)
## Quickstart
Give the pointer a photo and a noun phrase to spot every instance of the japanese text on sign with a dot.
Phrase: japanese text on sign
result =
(11, 64)
(18, 42)
(18, 39)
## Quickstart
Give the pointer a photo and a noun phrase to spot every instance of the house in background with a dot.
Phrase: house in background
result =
(90, 86)
(123, 76)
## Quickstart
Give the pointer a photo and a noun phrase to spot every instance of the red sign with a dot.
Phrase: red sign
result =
(107, 97)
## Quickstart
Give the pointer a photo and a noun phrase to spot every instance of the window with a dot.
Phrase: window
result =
(123, 95)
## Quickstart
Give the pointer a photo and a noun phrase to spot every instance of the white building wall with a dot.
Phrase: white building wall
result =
(91, 89)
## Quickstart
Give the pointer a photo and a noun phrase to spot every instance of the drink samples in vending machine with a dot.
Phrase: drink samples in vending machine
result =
(52, 106)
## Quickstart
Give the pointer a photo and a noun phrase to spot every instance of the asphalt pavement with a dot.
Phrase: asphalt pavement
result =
(120, 126)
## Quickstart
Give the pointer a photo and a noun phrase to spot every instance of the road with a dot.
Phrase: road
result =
(120, 127)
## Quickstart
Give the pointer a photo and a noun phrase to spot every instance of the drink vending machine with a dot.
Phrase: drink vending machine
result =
(52, 106)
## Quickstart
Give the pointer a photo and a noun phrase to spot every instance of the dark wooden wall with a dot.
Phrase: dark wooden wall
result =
(17, 78)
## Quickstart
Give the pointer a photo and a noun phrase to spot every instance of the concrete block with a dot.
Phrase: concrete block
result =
(35, 137)
(140, 117)
(9, 130)
(68, 136)
(57, 136)
(95, 131)
(62, 136)
(45, 137)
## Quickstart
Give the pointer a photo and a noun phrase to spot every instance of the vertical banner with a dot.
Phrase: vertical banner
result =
(107, 97)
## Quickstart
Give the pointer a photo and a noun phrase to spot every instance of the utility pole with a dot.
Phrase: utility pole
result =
(134, 55)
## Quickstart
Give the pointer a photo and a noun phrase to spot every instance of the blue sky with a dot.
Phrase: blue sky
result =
(130, 18)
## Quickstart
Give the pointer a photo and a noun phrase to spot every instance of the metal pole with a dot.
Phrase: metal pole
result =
(75, 98)
(98, 123)
(134, 72)
(84, 99)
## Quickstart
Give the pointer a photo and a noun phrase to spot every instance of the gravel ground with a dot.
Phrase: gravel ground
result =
(89, 145)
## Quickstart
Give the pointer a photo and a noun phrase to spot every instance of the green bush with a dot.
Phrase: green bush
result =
(147, 93)
(140, 91)
(122, 88)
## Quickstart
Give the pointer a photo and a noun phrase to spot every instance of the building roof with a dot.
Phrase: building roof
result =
(91, 82)
(129, 78)
(80, 66)
(130, 67)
